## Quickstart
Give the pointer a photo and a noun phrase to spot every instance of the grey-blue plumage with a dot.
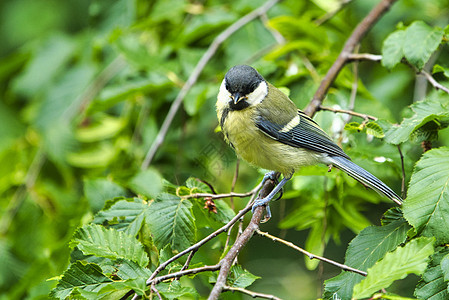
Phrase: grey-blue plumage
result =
(364, 177)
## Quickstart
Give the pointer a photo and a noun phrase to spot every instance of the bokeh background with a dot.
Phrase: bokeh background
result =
(86, 85)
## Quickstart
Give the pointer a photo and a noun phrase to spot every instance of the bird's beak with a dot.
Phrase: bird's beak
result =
(237, 97)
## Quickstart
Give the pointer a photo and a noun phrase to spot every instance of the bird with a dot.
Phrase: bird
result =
(266, 129)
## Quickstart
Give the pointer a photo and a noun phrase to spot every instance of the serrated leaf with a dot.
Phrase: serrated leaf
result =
(127, 215)
(445, 267)
(420, 42)
(172, 222)
(374, 129)
(353, 126)
(174, 290)
(432, 285)
(412, 258)
(430, 116)
(427, 205)
(241, 278)
(393, 214)
(87, 277)
(110, 243)
(370, 245)
(392, 52)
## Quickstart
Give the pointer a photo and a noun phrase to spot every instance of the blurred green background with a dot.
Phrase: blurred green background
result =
(86, 85)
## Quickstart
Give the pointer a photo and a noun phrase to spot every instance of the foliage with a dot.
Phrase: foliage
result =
(84, 92)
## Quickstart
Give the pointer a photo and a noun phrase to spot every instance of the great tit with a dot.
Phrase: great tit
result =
(266, 129)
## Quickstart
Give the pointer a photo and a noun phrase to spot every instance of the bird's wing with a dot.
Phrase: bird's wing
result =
(300, 132)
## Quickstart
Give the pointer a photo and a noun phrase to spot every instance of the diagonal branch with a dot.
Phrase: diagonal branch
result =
(242, 240)
(310, 255)
(210, 52)
(359, 32)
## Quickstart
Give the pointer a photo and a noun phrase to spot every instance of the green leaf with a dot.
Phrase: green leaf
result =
(438, 69)
(172, 222)
(110, 243)
(374, 129)
(412, 258)
(174, 290)
(432, 285)
(98, 190)
(241, 278)
(364, 250)
(427, 205)
(430, 116)
(445, 267)
(353, 126)
(392, 52)
(147, 183)
(87, 277)
(420, 42)
(127, 215)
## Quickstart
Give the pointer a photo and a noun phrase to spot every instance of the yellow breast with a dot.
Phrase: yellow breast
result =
(258, 149)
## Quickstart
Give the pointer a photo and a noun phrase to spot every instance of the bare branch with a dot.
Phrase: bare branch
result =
(364, 56)
(355, 38)
(203, 241)
(250, 293)
(349, 112)
(433, 82)
(310, 255)
(210, 52)
(242, 240)
(183, 273)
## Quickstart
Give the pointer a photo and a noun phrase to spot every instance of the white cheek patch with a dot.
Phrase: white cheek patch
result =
(224, 96)
(259, 94)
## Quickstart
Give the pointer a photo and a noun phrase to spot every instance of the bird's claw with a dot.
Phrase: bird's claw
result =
(270, 175)
(263, 202)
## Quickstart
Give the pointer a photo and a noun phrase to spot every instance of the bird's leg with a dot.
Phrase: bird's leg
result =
(270, 175)
(264, 201)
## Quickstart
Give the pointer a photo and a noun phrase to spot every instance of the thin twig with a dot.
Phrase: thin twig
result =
(331, 14)
(203, 241)
(159, 279)
(364, 56)
(359, 32)
(433, 82)
(375, 57)
(250, 293)
(349, 112)
(403, 192)
(221, 196)
(310, 255)
(210, 52)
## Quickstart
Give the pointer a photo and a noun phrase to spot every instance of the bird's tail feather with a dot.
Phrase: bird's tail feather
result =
(364, 177)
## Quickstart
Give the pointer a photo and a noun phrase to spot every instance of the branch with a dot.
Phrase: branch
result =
(242, 240)
(250, 293)
(355, 38)
(310, 255)
(427, 75)
(203, 241)
(183, 273)
(349, 112)
(433, 82)
(210, 52)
